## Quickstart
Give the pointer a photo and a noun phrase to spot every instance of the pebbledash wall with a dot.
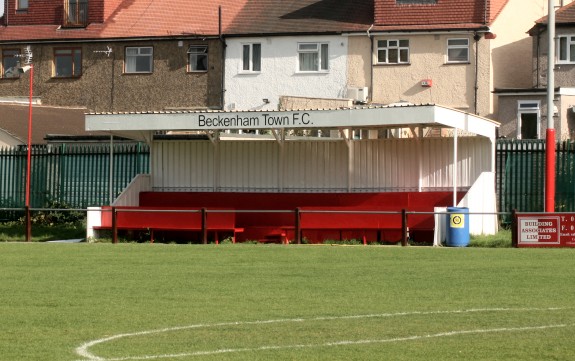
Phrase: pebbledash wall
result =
(105, 87)
(279, 75)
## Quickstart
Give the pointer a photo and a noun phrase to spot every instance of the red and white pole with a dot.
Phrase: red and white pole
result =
(550, 134)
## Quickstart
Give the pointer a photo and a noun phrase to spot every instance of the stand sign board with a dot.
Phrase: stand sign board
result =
(544, 230)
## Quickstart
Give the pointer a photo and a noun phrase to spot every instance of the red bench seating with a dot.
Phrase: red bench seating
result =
(275, 216)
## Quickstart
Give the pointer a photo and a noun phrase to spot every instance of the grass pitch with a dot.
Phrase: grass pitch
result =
(108, 302)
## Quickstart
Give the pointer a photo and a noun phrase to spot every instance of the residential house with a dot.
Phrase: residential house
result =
(449, 52)
(523, 110)
(291, 54)
(111, 55)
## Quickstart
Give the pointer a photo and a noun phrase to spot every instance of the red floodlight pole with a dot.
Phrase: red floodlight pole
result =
(550, 134)
(29, 159)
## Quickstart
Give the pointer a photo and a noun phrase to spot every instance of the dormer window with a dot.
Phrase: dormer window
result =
(75, 13)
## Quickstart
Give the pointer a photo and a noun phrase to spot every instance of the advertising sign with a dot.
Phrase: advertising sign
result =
(544, 230)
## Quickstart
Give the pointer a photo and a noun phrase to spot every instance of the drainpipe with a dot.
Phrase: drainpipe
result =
(6, 12)
(223, 44)
(537, 63)
(370, 64)
(476, 37)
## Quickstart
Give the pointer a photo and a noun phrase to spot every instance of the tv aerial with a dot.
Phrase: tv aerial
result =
(107, 52)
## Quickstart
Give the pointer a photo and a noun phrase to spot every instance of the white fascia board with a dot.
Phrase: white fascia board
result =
(566, 91)
(466, 121)
(209, 121)
(389, 117)
(416, 32)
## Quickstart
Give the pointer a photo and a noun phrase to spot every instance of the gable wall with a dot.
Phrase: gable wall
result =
(511, 67)
(564, 73)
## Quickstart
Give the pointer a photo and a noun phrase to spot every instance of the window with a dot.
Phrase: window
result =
(313, 56)
(67, 63)
(457, 50)
(528, 119)
(252, 58)
(10, 63)
(139, 59)
(198, 58)
(21, 4)
(75, 12)
(566, 49)
(393, 51)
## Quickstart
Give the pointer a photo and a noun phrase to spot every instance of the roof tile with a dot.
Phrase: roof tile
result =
(443, 12)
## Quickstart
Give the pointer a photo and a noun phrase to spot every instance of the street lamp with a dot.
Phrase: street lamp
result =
(29, 67)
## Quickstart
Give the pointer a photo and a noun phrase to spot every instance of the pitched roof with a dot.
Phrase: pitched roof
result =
(140, 18)
(441, 14)
(154, 18)
(563, 15)
(45, 120)
(303, 16)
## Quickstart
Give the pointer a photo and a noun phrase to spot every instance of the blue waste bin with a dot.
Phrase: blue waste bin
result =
(457, 227)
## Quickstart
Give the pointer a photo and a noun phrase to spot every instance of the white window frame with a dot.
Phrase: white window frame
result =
(457, 47)
(568, 41)
(197, 51)
(320, 49)
(392, 44)
(528, 107)
(249, 62)
(139, 55)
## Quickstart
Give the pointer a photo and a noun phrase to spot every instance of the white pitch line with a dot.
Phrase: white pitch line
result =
(88, 356)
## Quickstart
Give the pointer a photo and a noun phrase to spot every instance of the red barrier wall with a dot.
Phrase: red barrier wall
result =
(316, 227)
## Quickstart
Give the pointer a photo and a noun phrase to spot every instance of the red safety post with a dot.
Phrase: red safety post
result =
(204, 226)
(364, 240)
(28, 217)
(114, 226)
(297, 226)
(404, 233)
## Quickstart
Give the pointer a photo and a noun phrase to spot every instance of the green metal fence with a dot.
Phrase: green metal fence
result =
(520, 167)
(76, 176)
